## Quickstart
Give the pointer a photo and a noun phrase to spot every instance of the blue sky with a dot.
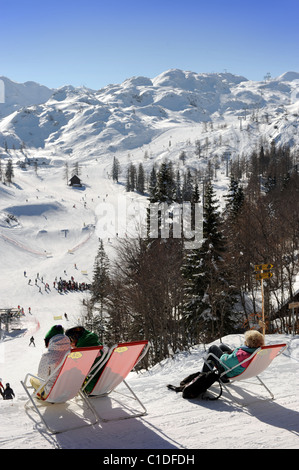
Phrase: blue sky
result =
(98, 42)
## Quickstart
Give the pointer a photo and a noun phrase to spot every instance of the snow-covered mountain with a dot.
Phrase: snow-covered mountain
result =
(227, 113)
(16, 95)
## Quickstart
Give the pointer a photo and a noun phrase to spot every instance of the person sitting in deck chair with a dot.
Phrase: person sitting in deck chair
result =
(58, 345)
(231, 358)
(82, 338)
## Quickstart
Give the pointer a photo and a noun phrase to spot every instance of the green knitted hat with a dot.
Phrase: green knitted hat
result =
(55, 330)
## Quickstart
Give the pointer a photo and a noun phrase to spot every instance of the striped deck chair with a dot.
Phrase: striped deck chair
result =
(259, 361)
(74, 369)
(119, 362)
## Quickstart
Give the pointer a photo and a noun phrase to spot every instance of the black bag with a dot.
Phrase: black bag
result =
(197, 384)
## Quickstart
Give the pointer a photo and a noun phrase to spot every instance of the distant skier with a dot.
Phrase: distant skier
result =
(32, 341)
(8, 393)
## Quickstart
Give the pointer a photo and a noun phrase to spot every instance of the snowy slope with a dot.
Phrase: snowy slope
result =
(54, 229)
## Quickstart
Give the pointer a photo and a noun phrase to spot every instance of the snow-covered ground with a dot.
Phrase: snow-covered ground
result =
(172, 423)
(54, 233)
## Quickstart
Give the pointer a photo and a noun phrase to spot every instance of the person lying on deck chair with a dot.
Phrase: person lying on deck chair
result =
(231, 358)
(58, 345)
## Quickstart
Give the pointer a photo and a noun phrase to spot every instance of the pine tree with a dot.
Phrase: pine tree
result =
(66, 172)
(195, 194)
(166, 188)
(235, 198)
(140, 179)
(131, 178)
(178, 194)
(187, 186)
(152, 187)
(115, 169)
(9, 173)
(100, 290)
(211, 227)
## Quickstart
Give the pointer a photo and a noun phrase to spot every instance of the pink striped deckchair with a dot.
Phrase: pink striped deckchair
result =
(74, 369)
(259, 361)
(119, 362)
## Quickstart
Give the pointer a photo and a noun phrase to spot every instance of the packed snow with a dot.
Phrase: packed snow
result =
(50, 230)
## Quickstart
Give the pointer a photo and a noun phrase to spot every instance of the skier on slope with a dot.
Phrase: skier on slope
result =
(8, 393)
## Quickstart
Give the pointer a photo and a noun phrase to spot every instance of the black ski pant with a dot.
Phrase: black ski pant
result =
(217, 351)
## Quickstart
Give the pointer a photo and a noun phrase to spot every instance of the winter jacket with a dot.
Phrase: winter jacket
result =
(233, 359)
(8, 394)
(59, 346)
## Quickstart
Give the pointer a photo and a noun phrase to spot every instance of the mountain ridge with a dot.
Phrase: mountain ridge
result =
(131, 115)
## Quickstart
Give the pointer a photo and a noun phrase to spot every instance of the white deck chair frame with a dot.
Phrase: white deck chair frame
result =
(37, 402)
(109, 388)
(259, 361)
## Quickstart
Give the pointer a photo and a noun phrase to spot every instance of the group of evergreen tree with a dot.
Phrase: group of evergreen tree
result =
(175, 297)
(163, 184)
(166, 185)
(135, 179)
